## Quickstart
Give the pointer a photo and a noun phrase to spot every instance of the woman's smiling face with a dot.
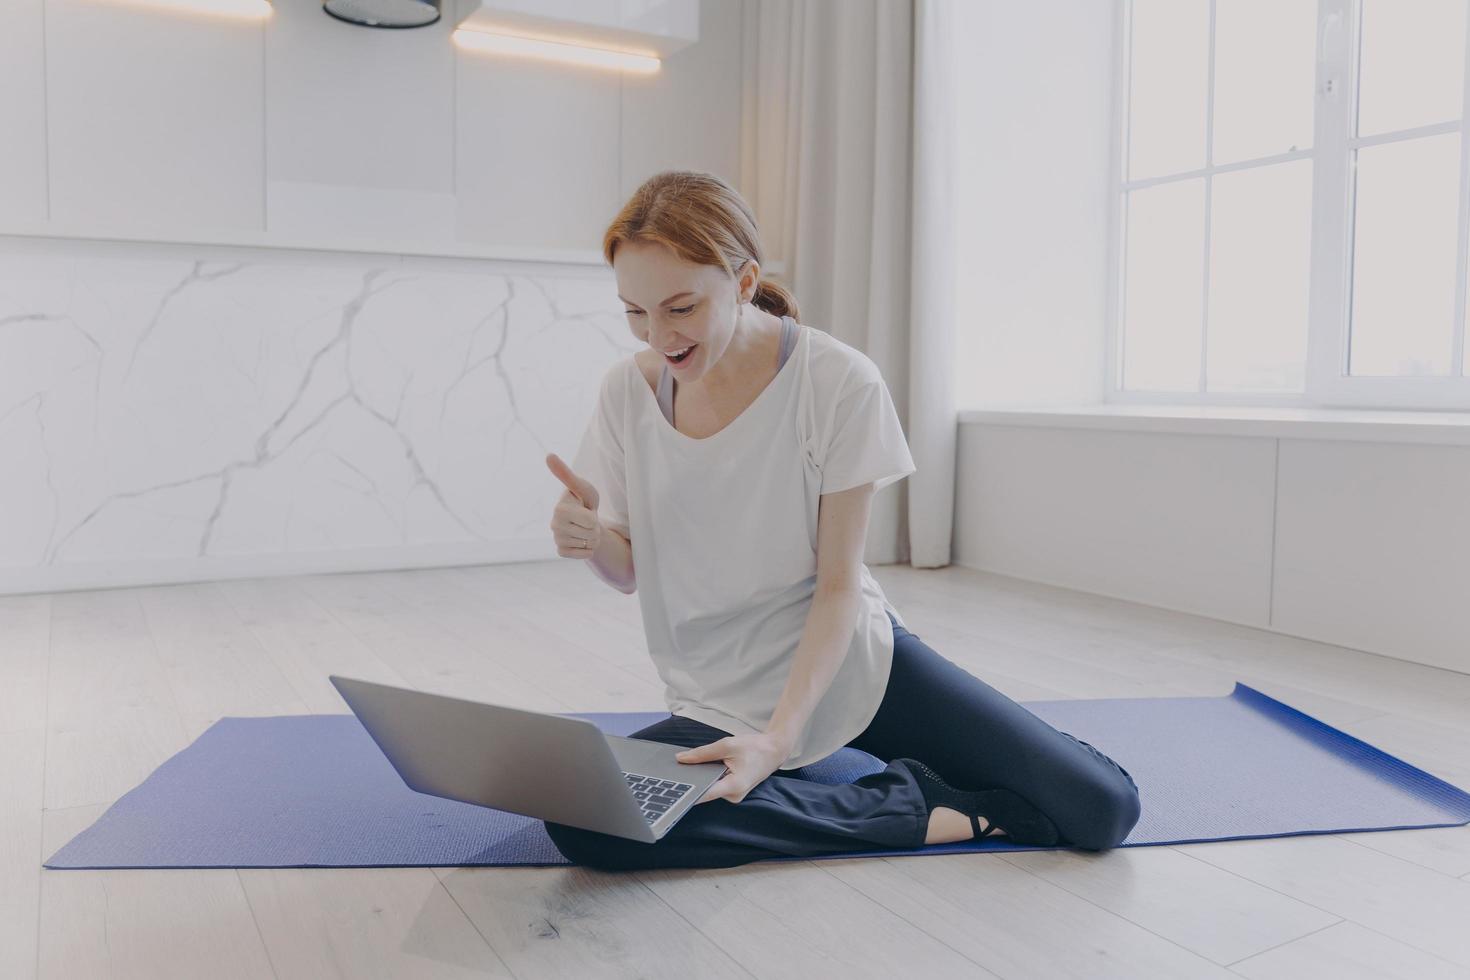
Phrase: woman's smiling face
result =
(673, 304)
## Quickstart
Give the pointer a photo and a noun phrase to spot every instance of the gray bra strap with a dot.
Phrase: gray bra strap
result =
(666, 393)
(666, 377)
(788, 340)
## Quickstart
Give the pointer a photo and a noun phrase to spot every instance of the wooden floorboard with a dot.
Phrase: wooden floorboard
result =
(98, 688)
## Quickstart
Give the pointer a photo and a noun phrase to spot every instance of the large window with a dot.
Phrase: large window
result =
(1294, 203)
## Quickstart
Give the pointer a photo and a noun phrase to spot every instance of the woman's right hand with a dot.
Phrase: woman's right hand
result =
(574, 523)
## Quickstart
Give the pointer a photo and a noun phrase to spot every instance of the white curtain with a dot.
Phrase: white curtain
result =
(847, 157)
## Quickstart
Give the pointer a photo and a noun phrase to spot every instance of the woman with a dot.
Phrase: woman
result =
(726, 477)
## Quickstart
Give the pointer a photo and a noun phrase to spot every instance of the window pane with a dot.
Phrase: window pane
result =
(1163, 286)
(1260, 247)
(1404, 256)
(1170, 58)
(1412, 67)
(1265, 70)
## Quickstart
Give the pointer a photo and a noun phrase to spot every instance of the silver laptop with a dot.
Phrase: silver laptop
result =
(539, 765)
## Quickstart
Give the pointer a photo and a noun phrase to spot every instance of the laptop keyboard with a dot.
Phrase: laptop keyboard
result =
(655, 795)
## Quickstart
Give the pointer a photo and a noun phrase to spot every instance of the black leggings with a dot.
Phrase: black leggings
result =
(933, 710)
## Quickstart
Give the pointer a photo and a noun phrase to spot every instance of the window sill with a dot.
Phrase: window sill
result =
(1361, 425)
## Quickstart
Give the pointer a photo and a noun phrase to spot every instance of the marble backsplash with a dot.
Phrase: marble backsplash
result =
(178, 413)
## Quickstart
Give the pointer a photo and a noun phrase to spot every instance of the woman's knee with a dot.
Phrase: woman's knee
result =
(1112, 810)
(592, 849)
(1107, 801)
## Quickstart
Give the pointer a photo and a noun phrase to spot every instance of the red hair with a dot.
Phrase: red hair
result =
(701, 219)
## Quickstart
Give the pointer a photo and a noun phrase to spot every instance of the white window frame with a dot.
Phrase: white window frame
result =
(1327, 384)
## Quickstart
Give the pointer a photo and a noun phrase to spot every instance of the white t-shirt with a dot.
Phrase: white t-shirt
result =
(724, 534)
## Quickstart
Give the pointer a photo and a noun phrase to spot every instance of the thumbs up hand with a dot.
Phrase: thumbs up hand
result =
(574, 522)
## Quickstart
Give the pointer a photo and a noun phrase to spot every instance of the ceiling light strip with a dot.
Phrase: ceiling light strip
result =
(528, 47)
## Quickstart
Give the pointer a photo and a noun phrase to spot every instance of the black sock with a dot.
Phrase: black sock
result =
(1022, 822)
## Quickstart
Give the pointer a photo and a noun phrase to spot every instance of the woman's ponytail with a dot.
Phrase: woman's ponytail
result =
(775, 298)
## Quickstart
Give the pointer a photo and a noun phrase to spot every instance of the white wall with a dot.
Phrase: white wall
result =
(1358, 543)
(1033, 186)
(174, 411)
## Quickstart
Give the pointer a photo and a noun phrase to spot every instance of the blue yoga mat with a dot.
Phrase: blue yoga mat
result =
(308, 791)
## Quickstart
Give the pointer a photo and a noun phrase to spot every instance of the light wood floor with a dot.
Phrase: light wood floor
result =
(98, 688)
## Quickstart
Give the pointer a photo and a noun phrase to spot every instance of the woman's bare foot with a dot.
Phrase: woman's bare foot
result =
(947, 826)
